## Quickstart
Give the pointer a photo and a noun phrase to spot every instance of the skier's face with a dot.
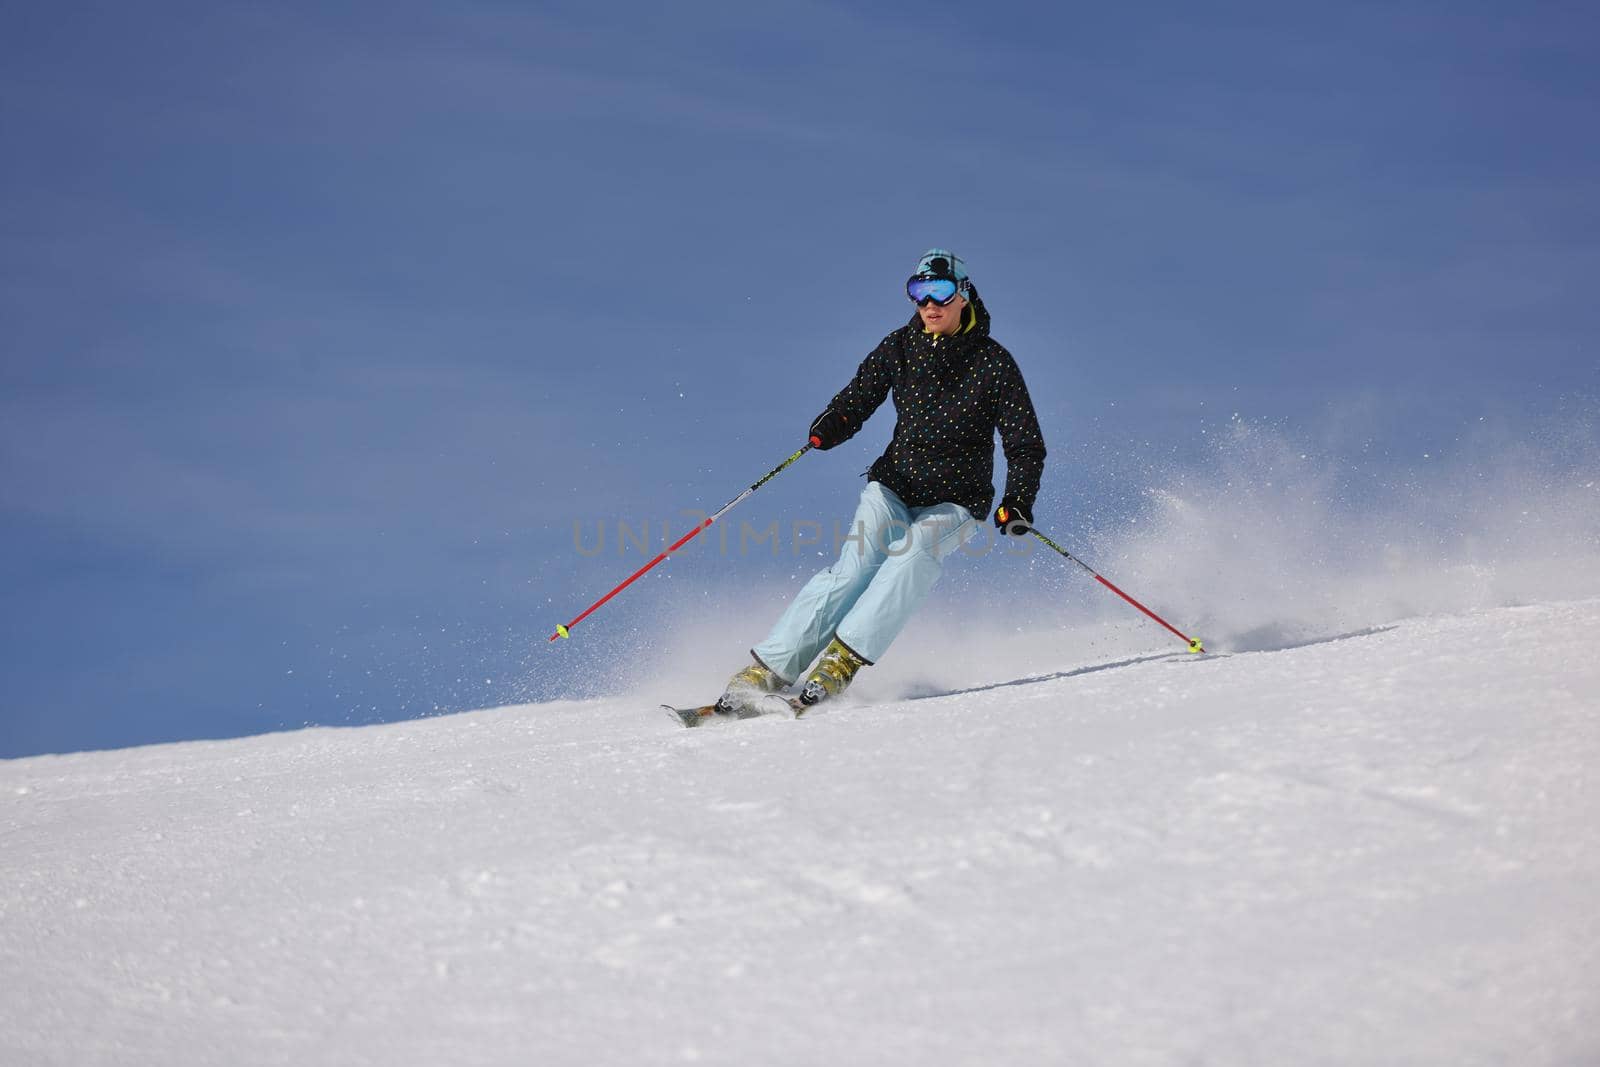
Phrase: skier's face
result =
(945, 319)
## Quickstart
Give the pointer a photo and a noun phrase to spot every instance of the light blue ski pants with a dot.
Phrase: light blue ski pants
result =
(889, 560)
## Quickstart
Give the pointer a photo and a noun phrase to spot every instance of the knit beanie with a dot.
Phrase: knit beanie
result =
(942, 263)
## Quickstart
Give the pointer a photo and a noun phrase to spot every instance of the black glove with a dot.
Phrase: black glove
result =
(1012, 518)
(829, 429)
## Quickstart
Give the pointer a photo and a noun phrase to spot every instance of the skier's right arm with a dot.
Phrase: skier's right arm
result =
(855, 403)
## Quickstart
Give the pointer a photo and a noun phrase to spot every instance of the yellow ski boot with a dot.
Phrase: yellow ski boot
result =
(832, 674)
(745, 690)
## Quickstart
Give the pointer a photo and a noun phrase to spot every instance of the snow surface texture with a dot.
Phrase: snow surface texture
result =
(1381, 848)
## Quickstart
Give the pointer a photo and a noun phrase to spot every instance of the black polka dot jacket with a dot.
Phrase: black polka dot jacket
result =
(950, 396)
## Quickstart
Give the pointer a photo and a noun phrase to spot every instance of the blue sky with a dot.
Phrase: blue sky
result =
(320, 324)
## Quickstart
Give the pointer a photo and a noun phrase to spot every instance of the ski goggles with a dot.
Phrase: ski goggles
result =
(924, 290)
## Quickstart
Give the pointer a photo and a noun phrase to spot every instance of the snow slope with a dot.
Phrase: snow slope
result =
(1382, 848)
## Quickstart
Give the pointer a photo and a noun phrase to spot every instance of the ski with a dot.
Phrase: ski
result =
(706, 713)
(692, 717)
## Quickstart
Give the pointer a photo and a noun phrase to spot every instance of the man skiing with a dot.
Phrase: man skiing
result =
(953, 387)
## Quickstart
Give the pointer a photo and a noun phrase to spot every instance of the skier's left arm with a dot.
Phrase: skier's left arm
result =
(1022, 441)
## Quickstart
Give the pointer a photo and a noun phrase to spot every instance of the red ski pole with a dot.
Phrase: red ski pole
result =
(1192, 642)
(564, 631)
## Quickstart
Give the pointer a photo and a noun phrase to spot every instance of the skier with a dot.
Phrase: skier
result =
(953, 386)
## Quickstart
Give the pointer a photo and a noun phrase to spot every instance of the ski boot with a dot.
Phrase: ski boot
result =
(833, 673)
(745, 690)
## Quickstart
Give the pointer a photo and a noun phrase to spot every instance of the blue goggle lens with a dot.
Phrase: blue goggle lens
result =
(939, 290)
